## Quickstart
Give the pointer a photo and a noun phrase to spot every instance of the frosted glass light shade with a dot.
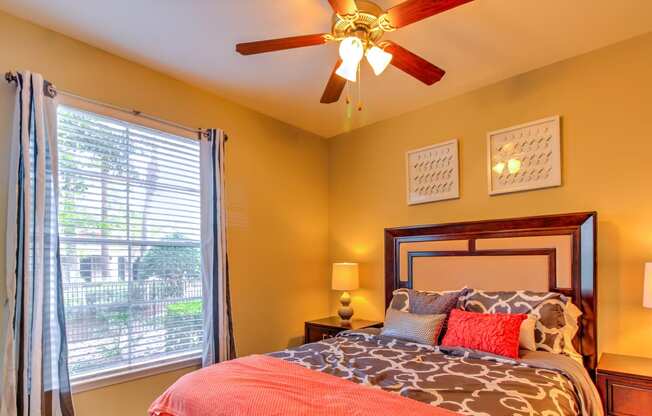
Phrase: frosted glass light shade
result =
(348, 71)
(345, 276)
(647, 286)
(351, 50)
(378, 59)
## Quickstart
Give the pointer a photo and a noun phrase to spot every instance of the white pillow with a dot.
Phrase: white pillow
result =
(526, 336)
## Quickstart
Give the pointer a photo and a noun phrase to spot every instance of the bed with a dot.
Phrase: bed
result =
(536, 254)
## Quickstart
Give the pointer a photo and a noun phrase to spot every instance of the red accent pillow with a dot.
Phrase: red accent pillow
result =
(496, 333)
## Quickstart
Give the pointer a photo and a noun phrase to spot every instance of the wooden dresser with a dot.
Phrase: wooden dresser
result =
(625, 385)
(320, 329)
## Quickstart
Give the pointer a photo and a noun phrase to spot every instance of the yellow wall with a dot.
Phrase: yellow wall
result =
(277, 194)
(604, 99)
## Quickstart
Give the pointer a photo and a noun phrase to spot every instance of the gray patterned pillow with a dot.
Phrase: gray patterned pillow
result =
(423, 329)
(548, 307)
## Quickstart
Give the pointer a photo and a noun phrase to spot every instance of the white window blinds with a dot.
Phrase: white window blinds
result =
(129, 220)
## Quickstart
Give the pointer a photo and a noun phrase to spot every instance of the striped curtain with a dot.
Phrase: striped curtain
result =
(34, 362)
(219, 343)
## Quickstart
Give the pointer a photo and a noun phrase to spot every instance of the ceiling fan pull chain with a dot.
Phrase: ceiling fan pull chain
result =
(359, 89)
(348, 93)
(349, 104)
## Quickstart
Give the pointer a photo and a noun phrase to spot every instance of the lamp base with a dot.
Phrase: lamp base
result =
(345, 311)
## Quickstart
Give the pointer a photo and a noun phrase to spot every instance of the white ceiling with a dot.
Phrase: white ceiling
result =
(477, 44)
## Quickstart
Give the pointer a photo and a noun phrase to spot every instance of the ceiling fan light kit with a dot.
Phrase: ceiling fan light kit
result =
(359, 26)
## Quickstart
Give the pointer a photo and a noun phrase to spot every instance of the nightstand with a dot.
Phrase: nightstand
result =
(320, 329)
(625, 385)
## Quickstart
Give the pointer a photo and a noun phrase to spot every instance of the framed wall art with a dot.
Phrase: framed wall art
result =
(524, 157)
(433, 173)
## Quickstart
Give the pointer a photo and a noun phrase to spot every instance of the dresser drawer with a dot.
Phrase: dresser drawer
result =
(318, 333)
(626, 396)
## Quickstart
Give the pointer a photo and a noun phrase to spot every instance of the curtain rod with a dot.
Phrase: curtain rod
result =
(11, 77)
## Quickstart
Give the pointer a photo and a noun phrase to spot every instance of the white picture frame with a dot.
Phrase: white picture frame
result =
(524, 157)
(432, 173)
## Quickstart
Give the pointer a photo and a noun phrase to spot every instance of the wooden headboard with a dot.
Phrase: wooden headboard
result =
(554, 253)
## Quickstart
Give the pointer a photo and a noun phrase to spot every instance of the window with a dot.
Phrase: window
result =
(129, 219)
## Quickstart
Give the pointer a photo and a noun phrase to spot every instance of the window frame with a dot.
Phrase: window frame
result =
(180, 361)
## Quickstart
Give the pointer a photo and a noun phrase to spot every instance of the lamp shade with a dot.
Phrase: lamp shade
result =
(378, 59)
(348, 71)
(647, 286)
(345, 276)
(351, 50)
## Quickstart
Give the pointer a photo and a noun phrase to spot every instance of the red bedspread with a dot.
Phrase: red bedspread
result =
(265, 386)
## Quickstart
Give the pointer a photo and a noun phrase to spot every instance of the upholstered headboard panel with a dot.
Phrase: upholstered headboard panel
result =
(546, 253)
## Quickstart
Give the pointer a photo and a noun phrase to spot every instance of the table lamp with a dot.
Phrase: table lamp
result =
(647, 286)
(345, 278)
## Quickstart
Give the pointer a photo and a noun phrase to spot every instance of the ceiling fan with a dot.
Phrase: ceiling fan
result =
(359, 26)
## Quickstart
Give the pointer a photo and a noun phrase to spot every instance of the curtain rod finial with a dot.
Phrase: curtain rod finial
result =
(10, 77)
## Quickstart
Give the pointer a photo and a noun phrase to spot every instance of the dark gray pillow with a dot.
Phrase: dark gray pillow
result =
(433, 303)
(400, 300)
(426, 302)
(423, 329)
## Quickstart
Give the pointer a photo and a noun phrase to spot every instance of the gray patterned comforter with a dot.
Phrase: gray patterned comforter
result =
(458, 380)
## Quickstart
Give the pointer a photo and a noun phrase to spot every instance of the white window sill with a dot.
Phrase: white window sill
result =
(124, 374)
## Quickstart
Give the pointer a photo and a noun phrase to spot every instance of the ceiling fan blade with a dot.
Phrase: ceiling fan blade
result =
(412, 11)
(343, 6)
(413, 64)
(334, 87)
(271, 45)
